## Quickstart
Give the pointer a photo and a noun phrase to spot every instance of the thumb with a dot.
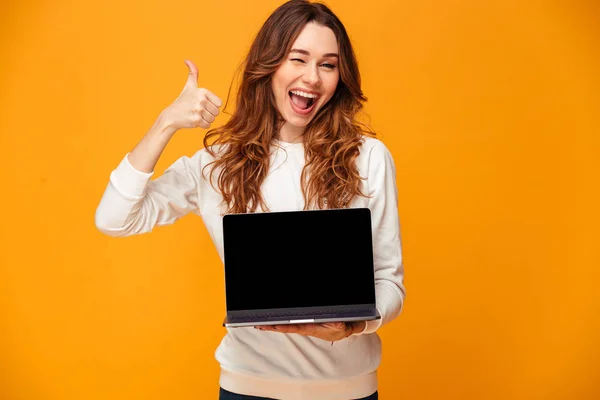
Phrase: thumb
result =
(193, 75)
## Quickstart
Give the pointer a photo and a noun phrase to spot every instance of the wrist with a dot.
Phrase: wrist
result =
(163, 126)
(357, 327)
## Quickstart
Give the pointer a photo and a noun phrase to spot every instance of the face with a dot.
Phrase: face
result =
(307, 78)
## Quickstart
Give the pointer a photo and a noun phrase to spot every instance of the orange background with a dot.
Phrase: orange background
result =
(490, 108)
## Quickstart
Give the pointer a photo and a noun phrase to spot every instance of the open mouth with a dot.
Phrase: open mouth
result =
(302, 104)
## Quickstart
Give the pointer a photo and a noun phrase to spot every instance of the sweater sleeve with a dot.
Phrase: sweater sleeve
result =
(133, 203)
(387, 248)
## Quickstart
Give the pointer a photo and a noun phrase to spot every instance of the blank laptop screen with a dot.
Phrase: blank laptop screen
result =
(298, 259)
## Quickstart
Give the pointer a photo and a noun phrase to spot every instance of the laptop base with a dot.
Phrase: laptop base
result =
(272, 317)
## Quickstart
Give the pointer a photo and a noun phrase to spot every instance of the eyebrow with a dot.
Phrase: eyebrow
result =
(308, 54)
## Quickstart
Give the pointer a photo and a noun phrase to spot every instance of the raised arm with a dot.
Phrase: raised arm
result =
(133, 203)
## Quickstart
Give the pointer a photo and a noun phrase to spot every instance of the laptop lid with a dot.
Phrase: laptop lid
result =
(293, 259)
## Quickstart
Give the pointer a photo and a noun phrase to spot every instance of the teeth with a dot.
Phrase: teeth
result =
(303, 94)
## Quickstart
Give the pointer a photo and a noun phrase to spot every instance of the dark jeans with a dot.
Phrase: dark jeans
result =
(225, 395)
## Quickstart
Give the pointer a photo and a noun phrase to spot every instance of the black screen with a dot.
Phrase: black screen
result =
(298, 259)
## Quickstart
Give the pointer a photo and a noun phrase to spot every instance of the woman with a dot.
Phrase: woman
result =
(292, 143)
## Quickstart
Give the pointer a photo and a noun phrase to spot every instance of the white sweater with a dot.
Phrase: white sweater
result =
(263, 363)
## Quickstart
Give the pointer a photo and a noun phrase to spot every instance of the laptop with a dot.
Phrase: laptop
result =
(293, 267)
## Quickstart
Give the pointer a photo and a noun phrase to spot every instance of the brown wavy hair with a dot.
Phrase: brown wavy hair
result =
(332, 140)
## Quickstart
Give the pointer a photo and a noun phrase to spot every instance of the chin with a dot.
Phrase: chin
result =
(299, 123)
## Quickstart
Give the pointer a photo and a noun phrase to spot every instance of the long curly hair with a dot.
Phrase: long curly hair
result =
(332, 140)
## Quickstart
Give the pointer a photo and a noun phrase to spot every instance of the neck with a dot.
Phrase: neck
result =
(291, 134)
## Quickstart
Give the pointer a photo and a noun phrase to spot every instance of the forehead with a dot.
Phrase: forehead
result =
(316, 39)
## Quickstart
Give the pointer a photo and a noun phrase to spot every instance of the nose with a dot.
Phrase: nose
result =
(311, 76)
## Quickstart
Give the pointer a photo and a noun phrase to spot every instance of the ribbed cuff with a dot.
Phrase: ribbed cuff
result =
(370, 326)
(389, 303)
(128, 181)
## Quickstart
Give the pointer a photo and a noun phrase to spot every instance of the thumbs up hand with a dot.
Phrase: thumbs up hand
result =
(195, 107)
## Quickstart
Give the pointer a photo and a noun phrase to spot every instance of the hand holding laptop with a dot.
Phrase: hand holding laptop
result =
(329, 331)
